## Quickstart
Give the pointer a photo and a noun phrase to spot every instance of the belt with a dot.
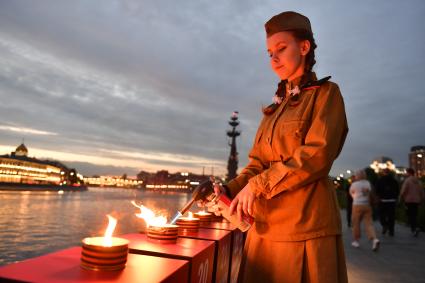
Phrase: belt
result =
(388, 200)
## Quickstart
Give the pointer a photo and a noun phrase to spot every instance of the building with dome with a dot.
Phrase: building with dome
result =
(18, 168)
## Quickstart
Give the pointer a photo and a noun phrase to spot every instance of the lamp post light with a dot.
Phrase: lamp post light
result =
(349, 172)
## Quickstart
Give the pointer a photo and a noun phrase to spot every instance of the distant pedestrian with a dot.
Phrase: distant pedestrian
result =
(387, 189)
(412, 193)
(361, 190)
(349, 200)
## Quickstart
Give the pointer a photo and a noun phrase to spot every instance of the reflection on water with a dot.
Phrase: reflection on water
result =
(36, 223)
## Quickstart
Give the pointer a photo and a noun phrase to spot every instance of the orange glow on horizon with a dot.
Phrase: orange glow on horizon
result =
(125, 159)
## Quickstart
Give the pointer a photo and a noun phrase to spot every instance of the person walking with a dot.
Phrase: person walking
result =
(349, 201)
(412, 193)
(387, 189)
(361, 191)
(296, 236)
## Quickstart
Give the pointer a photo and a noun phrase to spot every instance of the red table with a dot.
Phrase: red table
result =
(236, 246)
(199, 253)
(64, 266)
(222, 240)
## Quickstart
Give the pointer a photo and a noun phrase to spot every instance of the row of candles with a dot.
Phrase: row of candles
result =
(110, 253)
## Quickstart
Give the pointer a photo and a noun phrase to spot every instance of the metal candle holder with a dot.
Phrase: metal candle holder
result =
(96, 256)
(188, 225)
(204, 217)
(165, 234)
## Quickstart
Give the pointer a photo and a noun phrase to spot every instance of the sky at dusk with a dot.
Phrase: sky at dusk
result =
(113, 87)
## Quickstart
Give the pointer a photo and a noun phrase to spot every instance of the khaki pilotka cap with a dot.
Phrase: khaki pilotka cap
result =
(287, 21)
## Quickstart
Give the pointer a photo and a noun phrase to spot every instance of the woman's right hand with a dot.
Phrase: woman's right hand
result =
(243, 202)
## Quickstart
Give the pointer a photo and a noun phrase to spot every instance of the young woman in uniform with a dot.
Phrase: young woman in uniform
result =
(285, 187)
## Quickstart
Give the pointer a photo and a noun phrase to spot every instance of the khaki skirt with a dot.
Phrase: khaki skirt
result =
(319, 260)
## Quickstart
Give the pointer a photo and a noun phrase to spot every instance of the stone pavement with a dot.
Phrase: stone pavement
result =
(400, 259)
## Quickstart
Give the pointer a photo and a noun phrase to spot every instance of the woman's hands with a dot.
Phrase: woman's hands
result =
(243, 202)
(210, 205)
(218, 189)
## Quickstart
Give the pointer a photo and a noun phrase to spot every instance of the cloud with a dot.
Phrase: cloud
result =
(141, 79)
(25, 130)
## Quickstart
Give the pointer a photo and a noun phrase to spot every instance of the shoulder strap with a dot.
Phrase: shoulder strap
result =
(315, 84)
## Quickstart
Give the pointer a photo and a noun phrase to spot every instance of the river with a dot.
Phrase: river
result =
(36, 223)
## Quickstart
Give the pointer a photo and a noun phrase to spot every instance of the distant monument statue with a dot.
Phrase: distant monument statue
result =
(232, 164)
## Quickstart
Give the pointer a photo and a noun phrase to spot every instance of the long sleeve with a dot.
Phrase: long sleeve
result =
(254, 167)
(313, 159)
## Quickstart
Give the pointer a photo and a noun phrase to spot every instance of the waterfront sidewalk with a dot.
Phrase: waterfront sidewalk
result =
(400, 259)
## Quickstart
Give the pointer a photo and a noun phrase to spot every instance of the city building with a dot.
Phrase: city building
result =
(417, 159)
(112, 181)
(381, 163)
(401, 170)
(18, 168)
(163, 180)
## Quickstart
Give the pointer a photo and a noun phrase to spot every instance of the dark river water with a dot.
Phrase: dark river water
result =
(36, 223)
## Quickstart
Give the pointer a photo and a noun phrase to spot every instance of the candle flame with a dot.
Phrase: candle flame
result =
(107, 239)
(149, 216)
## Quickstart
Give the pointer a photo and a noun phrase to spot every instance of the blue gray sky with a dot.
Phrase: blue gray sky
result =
(115, 87)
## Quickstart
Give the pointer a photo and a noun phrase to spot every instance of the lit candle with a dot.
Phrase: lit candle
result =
(104, 253)
(203, 213)
(204, 217)
(100, 241)
(149, 216)
(189, 218)
(157, 228)
(188, 225)
(164, 234)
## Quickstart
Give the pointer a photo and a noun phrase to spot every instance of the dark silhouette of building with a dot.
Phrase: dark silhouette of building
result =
(417, 160)
(232, 164)
(166, 181)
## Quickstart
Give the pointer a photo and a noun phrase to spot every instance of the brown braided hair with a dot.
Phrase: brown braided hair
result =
(310, 57)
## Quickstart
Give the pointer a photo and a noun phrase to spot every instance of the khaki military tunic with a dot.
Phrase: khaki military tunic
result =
(290, 160)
